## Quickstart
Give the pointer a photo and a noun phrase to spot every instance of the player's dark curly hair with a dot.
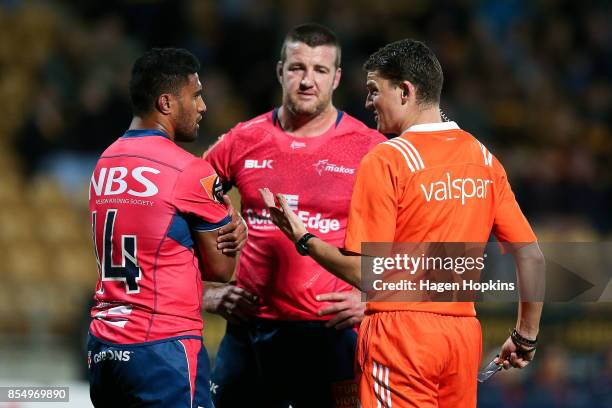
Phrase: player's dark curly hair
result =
(159, 71)
(313, 35)
(410, 60)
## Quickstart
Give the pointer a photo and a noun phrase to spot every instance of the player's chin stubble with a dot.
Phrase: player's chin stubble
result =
(309, 109)
(188, 129)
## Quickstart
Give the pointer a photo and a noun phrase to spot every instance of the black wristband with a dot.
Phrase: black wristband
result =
(523, 342)
(301, 244)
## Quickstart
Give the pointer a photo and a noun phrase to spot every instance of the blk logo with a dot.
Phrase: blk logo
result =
(256, 164)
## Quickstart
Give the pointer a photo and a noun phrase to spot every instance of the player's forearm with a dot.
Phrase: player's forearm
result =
(209, 294)
(221, 269)
(345, 267)
(531, 272)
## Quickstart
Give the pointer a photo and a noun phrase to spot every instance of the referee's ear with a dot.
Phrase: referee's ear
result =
(408, 92)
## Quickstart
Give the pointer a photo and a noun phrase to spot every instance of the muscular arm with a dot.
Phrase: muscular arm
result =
(215, 265)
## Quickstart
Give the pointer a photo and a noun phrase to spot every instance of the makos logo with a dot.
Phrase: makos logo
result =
(325, 165)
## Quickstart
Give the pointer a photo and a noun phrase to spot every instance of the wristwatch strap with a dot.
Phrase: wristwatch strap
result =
(301, 244)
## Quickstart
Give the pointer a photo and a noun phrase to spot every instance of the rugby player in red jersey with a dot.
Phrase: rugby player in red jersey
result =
(290, 338)
(156, 212)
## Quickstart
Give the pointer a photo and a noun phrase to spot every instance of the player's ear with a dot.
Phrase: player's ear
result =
(164, 103)
(279, 71)
(337, 76)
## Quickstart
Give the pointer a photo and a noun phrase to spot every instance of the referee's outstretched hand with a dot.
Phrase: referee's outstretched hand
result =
(284, 217)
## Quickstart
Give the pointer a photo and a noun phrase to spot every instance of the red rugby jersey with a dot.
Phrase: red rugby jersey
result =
(317, 175)
(146, 196)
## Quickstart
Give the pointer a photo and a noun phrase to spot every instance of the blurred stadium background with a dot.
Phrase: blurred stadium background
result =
(531, 79)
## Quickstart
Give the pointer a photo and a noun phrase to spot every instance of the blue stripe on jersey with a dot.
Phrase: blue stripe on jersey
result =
(145, 132)
(204, 226)
(275, 117)
(339, 117)
(179, 231)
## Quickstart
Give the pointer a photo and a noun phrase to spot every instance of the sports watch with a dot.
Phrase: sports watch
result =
(301, 244)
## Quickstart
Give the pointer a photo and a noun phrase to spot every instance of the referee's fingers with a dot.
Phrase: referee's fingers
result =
(283, 202)
(267, 196)
(516, 361)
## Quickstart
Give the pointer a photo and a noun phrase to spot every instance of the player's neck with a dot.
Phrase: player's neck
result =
(149, 122)
(427, 115)
(307, 126)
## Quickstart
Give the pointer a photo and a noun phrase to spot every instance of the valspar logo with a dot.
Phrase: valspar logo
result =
(256, 164)
(325, 165)
(112, 181)
(456, 189)
(118, 355)
(262, 220)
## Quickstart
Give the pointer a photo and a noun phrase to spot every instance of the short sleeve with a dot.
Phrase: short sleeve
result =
(198, 195)
(219, 156)
(373, 211)
(509, 223)
(375, 138)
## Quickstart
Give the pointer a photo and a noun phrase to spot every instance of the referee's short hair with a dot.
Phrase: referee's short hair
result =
(410, 60)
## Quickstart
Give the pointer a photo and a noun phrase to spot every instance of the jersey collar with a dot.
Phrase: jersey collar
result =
(144, 132)
(276, 121)
(432, 127)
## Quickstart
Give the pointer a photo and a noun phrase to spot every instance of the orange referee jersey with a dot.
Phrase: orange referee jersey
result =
(434, 183)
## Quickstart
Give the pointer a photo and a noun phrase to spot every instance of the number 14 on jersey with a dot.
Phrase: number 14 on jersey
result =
(128, 271)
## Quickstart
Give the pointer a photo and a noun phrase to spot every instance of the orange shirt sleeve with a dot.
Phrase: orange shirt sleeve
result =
(373, 211)
(509, 224)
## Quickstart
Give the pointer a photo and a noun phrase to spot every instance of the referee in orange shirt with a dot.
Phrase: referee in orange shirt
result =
(414, 188)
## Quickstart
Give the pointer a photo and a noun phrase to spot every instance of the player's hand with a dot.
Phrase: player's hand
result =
(511, 355)
(283, 217)
(234, 304)
(347, 307)
(232, 237)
